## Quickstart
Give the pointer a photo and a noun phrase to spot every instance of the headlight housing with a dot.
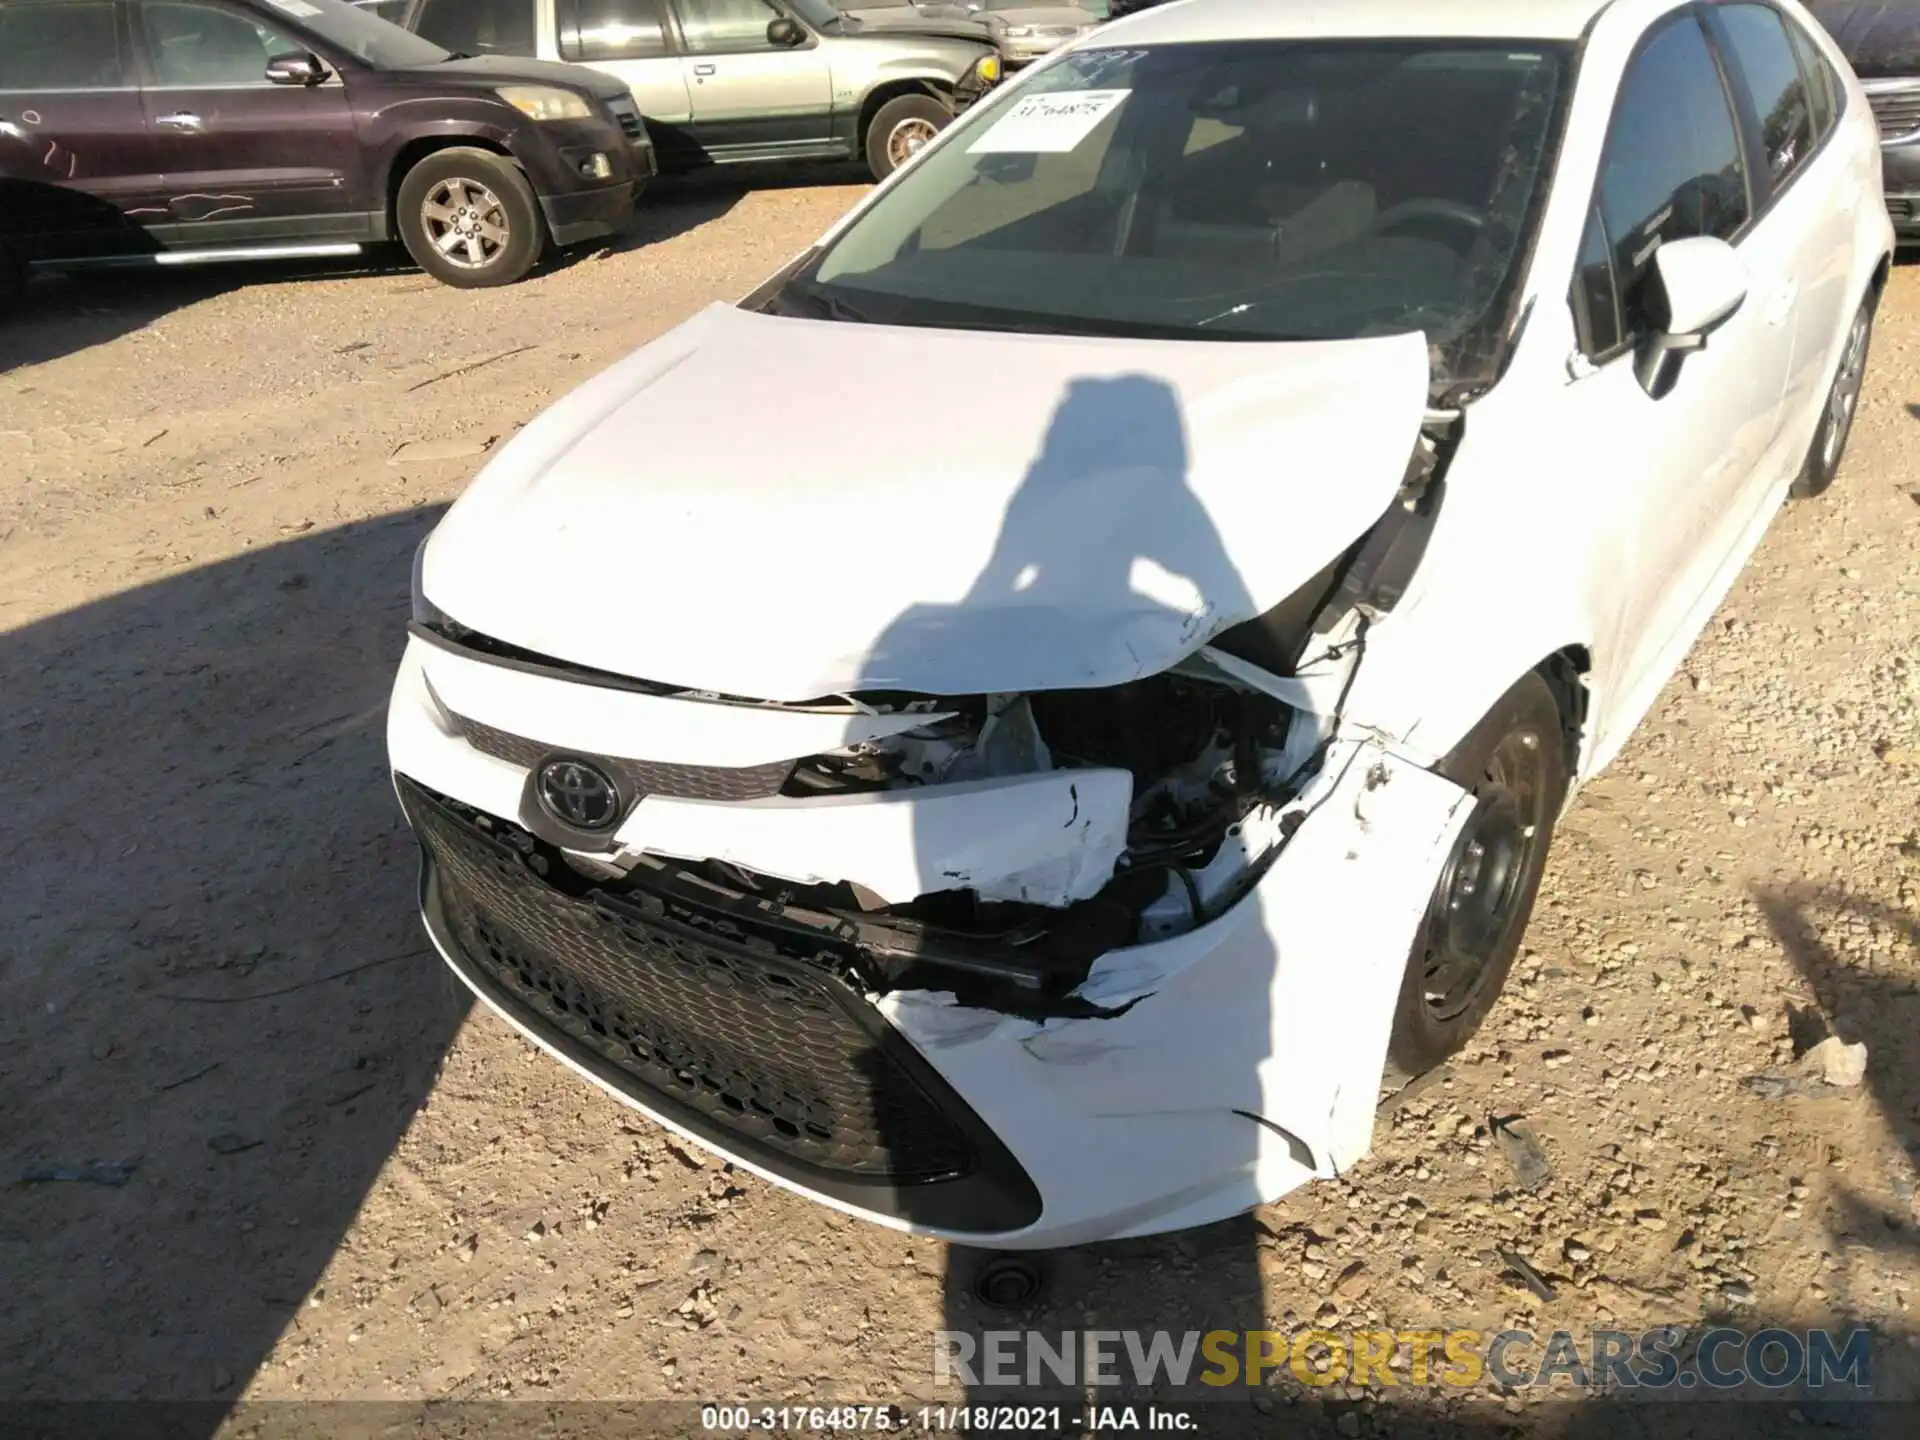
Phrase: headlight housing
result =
(425, 612)
(987, 68)
(546, 102)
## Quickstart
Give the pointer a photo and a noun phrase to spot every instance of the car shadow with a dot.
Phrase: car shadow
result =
(1870, 998)
(63, 314)
(1058, 560)
(220, 1015)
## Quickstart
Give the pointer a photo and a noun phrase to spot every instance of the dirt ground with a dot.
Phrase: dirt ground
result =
(317, 1174)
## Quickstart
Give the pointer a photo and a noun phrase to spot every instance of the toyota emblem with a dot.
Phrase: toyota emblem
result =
(578, 794)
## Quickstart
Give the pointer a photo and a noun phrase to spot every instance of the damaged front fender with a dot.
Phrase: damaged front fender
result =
(1248, 1055)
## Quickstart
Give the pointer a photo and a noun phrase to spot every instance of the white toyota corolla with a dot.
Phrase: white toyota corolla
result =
(1012, 728)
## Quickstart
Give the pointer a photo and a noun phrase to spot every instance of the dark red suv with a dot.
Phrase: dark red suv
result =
(174, 131)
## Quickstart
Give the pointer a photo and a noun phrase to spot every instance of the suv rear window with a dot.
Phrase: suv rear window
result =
(59, 45)
(479, 27)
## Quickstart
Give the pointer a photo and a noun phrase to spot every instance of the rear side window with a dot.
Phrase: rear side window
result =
(479, 27)
(717, 27)
(1672, 168)
(60, 45)
(1823, 86)
(1757, 45)
(613, 29)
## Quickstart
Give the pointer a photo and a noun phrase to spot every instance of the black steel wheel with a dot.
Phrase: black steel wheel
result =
(1515, 762)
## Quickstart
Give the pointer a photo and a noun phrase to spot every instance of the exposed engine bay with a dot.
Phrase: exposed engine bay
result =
(1212, 766)
(1203, 757)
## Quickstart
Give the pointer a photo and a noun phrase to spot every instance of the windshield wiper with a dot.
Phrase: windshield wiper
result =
(828, 306)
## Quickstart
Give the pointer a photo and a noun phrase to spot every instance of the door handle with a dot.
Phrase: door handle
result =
(181, 120)
(703, 69)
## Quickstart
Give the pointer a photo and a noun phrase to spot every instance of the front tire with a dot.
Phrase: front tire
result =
(468, 218)
(900, 129)
(1836, 418)
(1515, 762)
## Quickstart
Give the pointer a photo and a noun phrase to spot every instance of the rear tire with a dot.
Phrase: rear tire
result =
(468, 218)
(1836, 417)
(900, 129)
(1515, 762)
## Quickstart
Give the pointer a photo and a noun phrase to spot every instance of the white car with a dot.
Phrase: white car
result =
(1038, 808)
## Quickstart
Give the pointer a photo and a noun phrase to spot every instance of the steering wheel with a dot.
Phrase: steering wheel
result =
(1450, 212)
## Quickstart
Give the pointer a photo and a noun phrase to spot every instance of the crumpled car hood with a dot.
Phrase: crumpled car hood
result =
(786, 509)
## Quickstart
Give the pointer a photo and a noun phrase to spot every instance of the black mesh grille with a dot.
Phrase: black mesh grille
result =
(764, 1046)
(1898, 112)
(637, 778)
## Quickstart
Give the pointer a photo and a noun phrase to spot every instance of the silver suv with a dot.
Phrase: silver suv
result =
(720, 81)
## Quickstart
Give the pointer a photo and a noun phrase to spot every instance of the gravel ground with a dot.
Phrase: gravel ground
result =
(317, 1174)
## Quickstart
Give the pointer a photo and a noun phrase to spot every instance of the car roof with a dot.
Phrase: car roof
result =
(1200, 20)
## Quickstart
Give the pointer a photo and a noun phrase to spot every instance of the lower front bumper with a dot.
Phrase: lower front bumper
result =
(1207, 1073)
(590, 214)
(769, 1057)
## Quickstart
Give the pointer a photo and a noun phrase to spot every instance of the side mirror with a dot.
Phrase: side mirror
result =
(784, 33)
(1699, 282)
(298, 68)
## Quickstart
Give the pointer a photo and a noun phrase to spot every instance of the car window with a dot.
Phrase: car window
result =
(720, 25)
(1823, 86)
(1673, 166)
(613, 29)
(1757, 45)
(1596, 299)
(194, 44)
(1231, 190)
(360, 32)
(59, 45)
(479, 27)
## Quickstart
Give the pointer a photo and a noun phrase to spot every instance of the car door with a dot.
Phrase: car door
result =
(1807, 201)
(750, 94)
(1674, 459)
(634, 40)
(243, 158)
(76, 163)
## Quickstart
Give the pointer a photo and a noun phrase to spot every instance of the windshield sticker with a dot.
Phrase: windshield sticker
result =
(1048, 124)
(299, 9)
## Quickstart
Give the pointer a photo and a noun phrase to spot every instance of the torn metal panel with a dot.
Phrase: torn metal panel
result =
(1045, 839)
(1279, 1010)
